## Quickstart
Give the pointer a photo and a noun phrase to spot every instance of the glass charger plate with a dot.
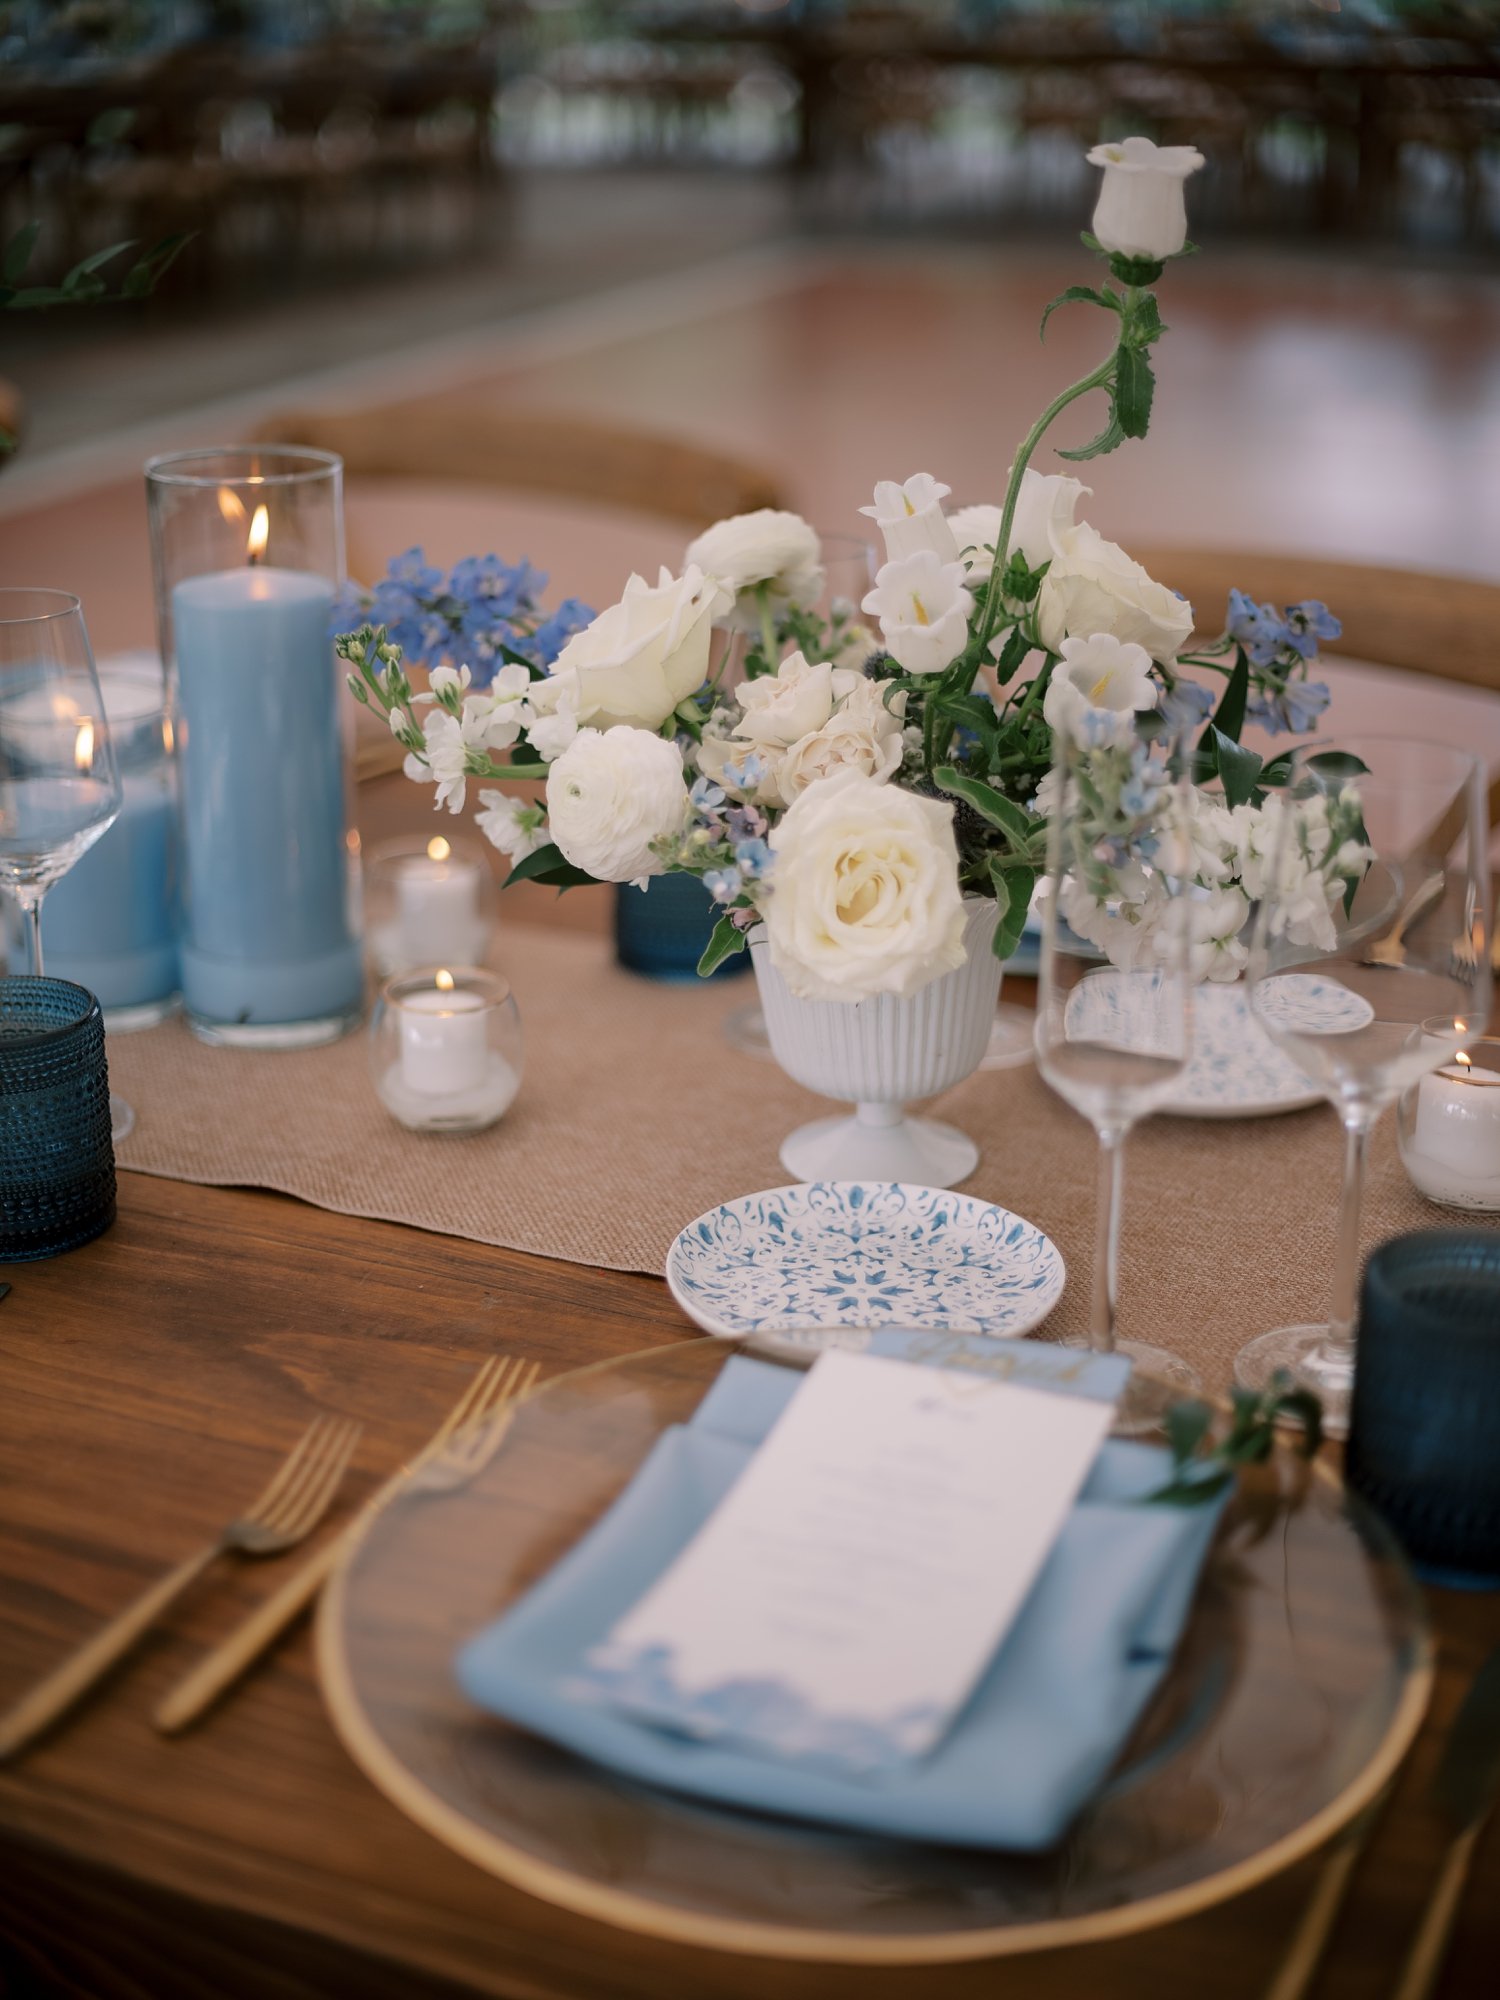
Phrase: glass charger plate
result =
(1300, 1682)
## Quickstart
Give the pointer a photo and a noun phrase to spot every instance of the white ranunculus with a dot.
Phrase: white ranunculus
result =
(1140, 211)
(1093, 586)
(639, 658)
(799, 697)
(609, 795)
(909, 514)
(923, 610)
(864, 894)
(1099, 674)
(770, 547)
(862, 735)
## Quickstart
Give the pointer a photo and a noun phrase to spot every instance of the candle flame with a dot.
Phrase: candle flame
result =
(438, 849)
(83, 746)
(1466, 1060)
(168, 735)
(231, 506)
(260, 533)
(444, 982)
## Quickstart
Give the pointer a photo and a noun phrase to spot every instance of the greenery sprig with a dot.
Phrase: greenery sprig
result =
(1204, 1464)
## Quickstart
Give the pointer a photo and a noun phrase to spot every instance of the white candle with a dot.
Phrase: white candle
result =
(437, 907)
(443, 1043)
(1454, 1154)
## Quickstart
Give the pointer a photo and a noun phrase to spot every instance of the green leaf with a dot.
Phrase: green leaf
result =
(1229, 716)
(548, 864)
(724, 941)
(1239, 769)
(1113, 434)
(523, 754)
(1134, 387)
(100, 258)
(1079, 295)
(18, 252)
(1143, 323)
(1341, 765)
(1012, 653)
(1186, 1427)
(147, 272)
(33, 297)
(995, 807)
(1020, 885)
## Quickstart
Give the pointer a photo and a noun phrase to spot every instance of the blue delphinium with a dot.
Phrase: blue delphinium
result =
(1279, 646)
(480, 614)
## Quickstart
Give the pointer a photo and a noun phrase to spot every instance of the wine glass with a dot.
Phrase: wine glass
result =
(59, 787)
(1369, 965)
(1113, 1040)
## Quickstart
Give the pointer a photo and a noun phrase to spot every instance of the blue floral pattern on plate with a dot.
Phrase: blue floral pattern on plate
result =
(864, 1254)
(1237, 1071)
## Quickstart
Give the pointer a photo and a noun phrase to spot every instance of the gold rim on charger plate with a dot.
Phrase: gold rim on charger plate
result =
(626, 1911)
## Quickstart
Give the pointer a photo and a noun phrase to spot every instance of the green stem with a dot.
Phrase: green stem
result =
(767, 626)
(1095, 380)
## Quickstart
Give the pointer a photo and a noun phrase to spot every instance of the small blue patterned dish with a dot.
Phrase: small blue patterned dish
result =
(1237, 1071)
(863, 1254)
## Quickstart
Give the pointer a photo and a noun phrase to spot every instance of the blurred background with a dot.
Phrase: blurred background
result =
(564, 280)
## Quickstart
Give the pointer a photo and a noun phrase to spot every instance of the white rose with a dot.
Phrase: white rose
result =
(863, 735)
(745, 770)
(1093, 586)
(923, 610)
(639, 658)
(1099, 674)
(910, 517)
(767, 547)
(799, 697)
(864, 894)
(609, 795)
(1141, 211)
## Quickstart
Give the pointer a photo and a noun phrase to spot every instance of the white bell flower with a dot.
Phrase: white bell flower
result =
(909, 514)
(923, 609)
(1141, 211)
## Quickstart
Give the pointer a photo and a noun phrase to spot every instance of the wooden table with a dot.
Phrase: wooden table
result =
(147, 1384)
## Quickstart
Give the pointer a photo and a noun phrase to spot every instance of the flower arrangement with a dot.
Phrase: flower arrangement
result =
(849, 784)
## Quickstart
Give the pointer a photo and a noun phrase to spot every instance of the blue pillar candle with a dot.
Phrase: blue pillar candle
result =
(110, 923)
(268, 936)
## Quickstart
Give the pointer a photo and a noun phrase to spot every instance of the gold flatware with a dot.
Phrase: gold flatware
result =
(1304, 1953)
(288, 1510)
(1390, 950)
(471, 1431)
(1464, 1786)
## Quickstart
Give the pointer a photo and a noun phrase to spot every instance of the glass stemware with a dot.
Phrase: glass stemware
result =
(1367, 976)
(1114, 1040)
(59, 786)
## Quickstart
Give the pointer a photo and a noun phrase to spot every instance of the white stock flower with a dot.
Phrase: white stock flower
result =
(923, 609)
(610, 794)
(552, 723)
(909, 514)
(516, 826)
(769, 547)
(1095, 674)
(450, 741)
(1093, 586)
(1214, 923)
(864, 894)
(1140, 211)
(799, 697)
(642, 656)
(861, 735)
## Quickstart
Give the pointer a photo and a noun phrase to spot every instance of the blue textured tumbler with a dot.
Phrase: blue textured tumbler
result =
(661, 930)
(57, 1164)
(1424, 1426)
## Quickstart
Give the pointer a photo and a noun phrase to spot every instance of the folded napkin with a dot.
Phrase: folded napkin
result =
(1029, 1748)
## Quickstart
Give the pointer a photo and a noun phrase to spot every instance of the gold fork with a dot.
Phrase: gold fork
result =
(471, 1431)
(289, 1509)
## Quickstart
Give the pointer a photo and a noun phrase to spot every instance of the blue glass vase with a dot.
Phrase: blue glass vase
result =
(661, 930)
(57, 1163)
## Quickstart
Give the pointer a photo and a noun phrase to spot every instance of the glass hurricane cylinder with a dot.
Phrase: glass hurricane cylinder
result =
(248, 550)
(446, 1050)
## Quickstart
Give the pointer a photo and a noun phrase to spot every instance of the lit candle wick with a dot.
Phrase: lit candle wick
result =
(260, 534)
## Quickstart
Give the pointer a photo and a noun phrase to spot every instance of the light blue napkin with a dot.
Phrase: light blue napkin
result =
(1031, 1746)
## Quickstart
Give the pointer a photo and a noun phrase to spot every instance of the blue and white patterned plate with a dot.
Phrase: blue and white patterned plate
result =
(1237, 1071)
(863, 1254)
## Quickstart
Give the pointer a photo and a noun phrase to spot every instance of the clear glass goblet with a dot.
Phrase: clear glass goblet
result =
(1368, 974)
(59, 787)
(1113, 1040)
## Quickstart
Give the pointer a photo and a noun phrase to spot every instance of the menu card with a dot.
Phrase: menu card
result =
(840, 1604)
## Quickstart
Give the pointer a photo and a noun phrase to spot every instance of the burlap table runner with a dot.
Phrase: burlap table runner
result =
(636, 1115)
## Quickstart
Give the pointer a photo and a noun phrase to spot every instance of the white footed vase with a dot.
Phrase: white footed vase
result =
(879, 1055)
